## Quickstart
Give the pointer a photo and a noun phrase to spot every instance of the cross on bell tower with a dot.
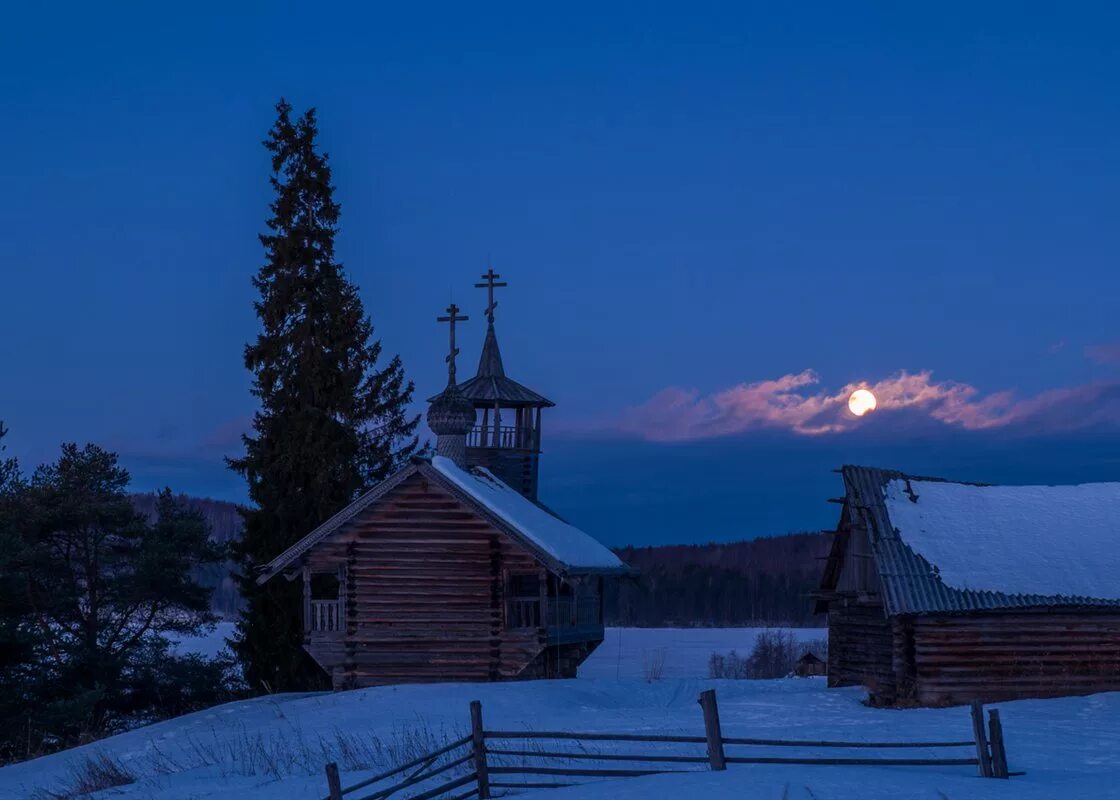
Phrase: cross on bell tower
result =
(506, 437)
(491, 283)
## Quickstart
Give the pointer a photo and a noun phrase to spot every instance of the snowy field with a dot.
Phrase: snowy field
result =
(682, 652)
(274, 747)
(624, 653)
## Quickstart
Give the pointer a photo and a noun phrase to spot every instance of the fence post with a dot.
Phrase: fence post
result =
(712, 730)
(334, 786)
(982, 756)
(999, 754)
(478, 744)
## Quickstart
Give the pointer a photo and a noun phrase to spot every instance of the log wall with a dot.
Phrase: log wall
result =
(861, 648)
(425, 595)
(995, 656)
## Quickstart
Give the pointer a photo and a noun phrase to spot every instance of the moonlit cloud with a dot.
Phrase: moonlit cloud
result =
(1107, 353)
(795, 403)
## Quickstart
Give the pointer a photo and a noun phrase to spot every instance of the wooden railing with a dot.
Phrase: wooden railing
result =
(524, 612)
(564, 612)
(506, 436)
(326, 615)
(512, 759)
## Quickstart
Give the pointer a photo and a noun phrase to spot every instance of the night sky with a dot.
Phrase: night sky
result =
(716, 221)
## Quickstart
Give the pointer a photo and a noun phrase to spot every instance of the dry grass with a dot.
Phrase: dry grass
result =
(653, 664)
(275, 754)
(94, 774)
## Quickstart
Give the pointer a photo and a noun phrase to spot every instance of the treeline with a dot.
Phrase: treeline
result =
(758, 582)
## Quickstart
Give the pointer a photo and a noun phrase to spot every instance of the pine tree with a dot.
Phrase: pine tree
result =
(103, 587)
(330, 424)
(18, 638)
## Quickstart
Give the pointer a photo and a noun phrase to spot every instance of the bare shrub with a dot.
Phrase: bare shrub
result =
(731, 665)
(774, 655)
(94, 774)
(653, 664)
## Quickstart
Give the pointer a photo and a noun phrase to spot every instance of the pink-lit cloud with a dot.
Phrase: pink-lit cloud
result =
(795, 403)
(1106, 353)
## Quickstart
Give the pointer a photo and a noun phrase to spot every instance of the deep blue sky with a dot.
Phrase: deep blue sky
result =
(694, 205)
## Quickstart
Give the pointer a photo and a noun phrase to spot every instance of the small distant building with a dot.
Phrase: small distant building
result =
(941, 593)
(451, 569)
(809, 665)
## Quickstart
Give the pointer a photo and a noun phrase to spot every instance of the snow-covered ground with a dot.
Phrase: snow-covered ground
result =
(624, 653)
(682, 652)
(274, 747)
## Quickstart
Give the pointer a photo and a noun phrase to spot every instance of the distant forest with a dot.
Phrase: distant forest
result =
(758, 582)
(225, 527)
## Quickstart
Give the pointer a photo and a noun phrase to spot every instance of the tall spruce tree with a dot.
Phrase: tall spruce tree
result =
(330, 423)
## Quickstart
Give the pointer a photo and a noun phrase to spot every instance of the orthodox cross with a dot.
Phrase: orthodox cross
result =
(452, 317)
(492, 283)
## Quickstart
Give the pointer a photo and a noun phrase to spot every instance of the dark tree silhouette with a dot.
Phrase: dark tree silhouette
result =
(330, 423)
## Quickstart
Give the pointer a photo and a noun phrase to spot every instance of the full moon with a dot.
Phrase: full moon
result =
(861, 402)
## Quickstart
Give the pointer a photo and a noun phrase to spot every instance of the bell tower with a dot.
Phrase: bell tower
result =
(506, 437)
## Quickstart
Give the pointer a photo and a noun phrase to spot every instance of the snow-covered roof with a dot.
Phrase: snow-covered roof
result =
(562, 547)
(940, 546)
(568, 545)
(1046, 540)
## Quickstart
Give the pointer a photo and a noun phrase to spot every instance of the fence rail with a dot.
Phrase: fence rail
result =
(512, 760)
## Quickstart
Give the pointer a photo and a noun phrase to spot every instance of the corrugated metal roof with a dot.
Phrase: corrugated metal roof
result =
(910, 583)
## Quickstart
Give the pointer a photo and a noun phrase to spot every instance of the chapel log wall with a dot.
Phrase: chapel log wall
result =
(425, 595)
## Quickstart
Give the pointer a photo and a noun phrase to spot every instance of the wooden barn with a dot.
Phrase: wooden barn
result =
(940, 593)
(451, 569)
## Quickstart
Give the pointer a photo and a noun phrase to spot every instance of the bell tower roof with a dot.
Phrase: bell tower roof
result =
(490, 385)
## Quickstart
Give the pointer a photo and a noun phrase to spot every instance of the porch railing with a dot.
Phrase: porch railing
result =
(525, 612)
(326, 615)
(563, 612)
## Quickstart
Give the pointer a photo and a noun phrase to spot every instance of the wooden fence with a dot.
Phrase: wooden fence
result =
(496, 767)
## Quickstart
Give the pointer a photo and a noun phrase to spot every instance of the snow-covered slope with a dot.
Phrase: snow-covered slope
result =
(274, 747)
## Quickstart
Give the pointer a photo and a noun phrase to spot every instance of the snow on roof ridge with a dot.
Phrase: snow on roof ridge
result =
(566, 543)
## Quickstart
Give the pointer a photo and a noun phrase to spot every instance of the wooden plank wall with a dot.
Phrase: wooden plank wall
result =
(425, 594)
(861, 649)
(1005, 655)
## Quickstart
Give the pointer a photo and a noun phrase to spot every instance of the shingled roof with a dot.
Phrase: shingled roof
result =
(943, 546)
(490, 385)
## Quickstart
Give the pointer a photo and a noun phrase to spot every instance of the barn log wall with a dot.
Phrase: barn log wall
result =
(861, 648)
(425, 594)
(1011, 654)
